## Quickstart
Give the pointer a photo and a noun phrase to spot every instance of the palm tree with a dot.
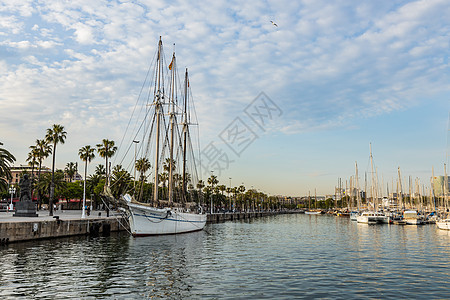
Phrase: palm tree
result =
(6, 158)
(166, 165)
(106, 150)
(32, 161)
(142, 166)
(55, 135)
(222, 188)
(100, 170)
(241, 189)
(121, 180)
(94, 185)
(212, 181)
(200, 186)
(86, 154)
(46, 183)
(71, 169)
(43, 150)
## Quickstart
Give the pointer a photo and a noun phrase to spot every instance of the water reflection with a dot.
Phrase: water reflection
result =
(282, 257)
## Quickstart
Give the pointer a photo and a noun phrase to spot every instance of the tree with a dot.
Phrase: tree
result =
(94, 185)
(56, 180)
(212, 180)
(32, 160)
(200, 186)
(55, 135)
(6, 158)
(86, 154)
(43, 150)
(72, 190)
(121, 181)
(241, 189)
(71, 169)
(142, 166)
(106, 150)
(222, 188)
(100, 170)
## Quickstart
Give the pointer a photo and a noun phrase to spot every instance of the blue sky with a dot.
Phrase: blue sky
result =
(343, 74)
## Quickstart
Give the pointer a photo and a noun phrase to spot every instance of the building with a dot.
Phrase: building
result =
(438, 185)
(16, 172)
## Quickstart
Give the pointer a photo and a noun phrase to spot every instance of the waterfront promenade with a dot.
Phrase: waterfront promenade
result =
(69, 223)
(61, 224)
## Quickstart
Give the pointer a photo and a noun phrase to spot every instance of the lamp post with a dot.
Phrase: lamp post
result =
(12, 191)
(134, 181)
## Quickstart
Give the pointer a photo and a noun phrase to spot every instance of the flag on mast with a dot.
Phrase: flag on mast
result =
(171, 64)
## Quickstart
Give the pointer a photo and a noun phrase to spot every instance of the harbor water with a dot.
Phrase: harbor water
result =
(293, 256)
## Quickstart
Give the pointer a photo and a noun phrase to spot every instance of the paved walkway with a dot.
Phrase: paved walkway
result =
(62, 214)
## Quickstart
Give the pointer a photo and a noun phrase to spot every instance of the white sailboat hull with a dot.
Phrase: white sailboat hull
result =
(414, 221)
(443, 224)
(313, 212)
(354, 216)
(367, 219)
(155, 221)
(372, 218)
(412, 217)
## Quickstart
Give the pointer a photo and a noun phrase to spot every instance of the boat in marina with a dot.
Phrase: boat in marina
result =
(313, 212)
(354, 215)
(412, 217)
(371, 217)
(443, 224)
(173, 206)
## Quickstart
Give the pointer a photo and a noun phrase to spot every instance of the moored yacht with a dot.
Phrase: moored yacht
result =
(412, 217)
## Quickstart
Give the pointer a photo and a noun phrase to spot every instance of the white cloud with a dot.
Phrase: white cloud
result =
(327, 64)
(83, 34)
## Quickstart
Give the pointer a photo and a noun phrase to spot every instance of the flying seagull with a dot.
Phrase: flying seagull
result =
(274, 24)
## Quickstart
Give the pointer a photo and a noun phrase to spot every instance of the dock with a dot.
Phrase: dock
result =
(61, 224)
(69, 223)
(234, 216)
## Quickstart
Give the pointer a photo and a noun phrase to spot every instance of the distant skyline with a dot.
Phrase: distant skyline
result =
(335, 76)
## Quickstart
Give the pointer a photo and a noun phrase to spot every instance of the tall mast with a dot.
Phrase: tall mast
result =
(410, 195)
(432, 189)
(358, 196)
(172, 67)
(185, 131)
(373, 194)
(158, 118)
(400, 195)
(445, 188)
(309, 200)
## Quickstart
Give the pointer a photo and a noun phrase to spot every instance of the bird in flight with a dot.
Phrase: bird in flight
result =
(274, 24)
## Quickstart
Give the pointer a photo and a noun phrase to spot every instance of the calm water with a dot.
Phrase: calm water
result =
(281, 257)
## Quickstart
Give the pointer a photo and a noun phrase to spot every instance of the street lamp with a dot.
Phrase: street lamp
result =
(12, 190)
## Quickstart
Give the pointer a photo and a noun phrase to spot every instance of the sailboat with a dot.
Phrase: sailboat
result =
(444, 223)
(310, 211)
(372, 217)
(174, 208)
(354, 214)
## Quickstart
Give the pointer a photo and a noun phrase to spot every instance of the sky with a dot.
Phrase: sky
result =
(305, 98)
